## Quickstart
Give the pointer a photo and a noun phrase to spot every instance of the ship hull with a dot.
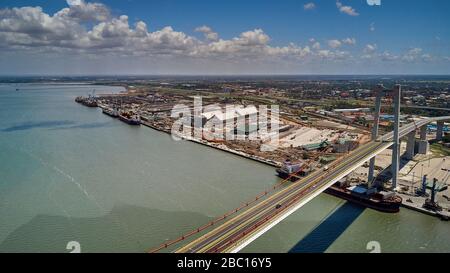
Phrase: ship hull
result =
(382, 206)
(129, 121)
(284, 175)
(110, 114)
(90, 104)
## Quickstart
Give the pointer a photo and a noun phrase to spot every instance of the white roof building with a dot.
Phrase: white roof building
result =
(246, 111)
(219, 115)
(231, 114)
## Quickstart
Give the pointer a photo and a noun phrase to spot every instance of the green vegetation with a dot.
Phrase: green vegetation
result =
(440, 149)
(347, 103)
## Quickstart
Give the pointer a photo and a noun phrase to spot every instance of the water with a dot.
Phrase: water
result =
(70, 173)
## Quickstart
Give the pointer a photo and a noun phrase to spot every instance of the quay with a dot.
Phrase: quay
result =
(416, 203)
(217, 147)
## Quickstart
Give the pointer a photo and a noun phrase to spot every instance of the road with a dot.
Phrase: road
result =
(238, 232)
(226, 237)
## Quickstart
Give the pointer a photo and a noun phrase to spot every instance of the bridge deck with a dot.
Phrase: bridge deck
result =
(238, 232)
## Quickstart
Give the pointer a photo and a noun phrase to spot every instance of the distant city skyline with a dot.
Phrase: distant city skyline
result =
(201, 37)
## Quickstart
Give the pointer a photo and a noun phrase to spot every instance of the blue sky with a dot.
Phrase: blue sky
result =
(398, 37)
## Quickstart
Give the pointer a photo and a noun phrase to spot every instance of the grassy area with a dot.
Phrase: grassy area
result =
(440, 149)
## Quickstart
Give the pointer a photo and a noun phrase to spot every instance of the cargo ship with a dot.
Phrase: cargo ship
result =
(89, 102)
(112, 112)
(382, 201)
(387, 202)
(291, 170)
(130, 118)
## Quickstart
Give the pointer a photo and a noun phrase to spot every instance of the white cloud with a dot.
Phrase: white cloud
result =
(427, 57)
(309, 6)
(412, 55)
(74, 2)
(83, 11)
(336, 55)
(316, 46)
(349, 41)
(31, 29)
(255, 37)
(89, 30)
(208, 32)
(338, 43)
(387, 56)
(369, 51)
(346, 9)
(370, 48)
(334, 43)
(372, 27)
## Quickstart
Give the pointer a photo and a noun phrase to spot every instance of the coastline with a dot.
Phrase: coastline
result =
(217, 147)
(223, 148)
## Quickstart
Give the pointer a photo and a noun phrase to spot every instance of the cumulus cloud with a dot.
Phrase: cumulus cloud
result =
(370, 48)
(427, 57)
(334, 43)
(412, 55)
(80, 10)
(336, 55)
(309, 6)
(349, 41)
(387, 56)
(208, 32)
(30, 27)
(338, 43)
(346, 9)
(91, 30)
(316, 46)
(416, 54)
(369, 51)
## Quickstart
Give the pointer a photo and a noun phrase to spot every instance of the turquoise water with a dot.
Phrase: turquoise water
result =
(70, 173)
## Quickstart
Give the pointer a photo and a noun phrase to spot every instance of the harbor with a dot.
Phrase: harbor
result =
(355, 191)
(151, 190)
(215, 126)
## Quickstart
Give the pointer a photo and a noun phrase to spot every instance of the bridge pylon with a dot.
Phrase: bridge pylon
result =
(396, 137)
(379, 94)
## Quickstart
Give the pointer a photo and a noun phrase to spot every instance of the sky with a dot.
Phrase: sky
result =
(203, 37)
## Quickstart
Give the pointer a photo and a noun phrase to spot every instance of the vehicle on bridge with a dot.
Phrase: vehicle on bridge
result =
(380, 201)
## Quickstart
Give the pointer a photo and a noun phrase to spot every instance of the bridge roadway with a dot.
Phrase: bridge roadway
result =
(241, 230)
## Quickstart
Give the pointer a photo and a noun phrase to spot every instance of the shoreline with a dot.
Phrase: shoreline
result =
(439, 215)
(443, 216)
(207, 144)
(416, 208)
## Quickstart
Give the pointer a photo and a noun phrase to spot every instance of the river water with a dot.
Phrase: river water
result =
(70, 173)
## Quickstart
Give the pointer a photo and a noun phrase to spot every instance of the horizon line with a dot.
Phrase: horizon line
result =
(210, 75)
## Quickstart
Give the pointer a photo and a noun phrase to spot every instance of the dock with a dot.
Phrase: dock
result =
(416, 203)
(217, 146)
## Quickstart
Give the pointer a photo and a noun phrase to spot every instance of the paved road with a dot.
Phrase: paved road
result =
(247, 226)
(225, 237)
